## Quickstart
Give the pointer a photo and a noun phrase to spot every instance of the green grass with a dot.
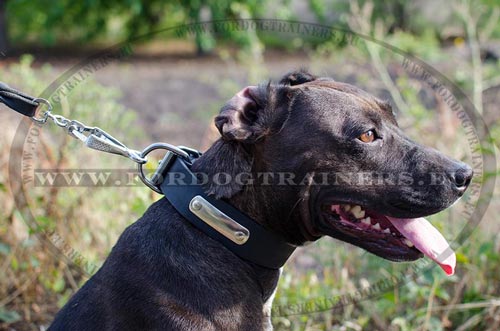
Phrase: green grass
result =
(36, 281)
(425, 300)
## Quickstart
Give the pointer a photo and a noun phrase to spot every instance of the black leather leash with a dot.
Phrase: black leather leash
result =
(216, 218)
(18, 101)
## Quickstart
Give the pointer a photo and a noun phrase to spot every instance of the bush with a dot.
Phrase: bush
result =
(36, 279)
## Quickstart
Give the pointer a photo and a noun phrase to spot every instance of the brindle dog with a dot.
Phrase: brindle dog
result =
(165, 274)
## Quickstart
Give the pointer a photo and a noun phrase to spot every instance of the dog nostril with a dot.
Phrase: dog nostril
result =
(463, 176)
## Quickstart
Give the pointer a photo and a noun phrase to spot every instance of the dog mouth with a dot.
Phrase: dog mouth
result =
(395, 239)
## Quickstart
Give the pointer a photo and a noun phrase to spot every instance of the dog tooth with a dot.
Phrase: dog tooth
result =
(376, 226)
(356, 211)
(366, 221)
(387, 231)
(408, 243)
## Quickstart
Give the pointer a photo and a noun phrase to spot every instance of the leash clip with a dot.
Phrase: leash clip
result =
(94, 137)
(102, 141)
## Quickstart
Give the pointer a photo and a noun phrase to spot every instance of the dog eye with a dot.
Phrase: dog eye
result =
(367, 137)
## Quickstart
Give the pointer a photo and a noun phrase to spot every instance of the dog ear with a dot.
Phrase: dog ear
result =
(297, 78)
(239, 118)
(254, 112)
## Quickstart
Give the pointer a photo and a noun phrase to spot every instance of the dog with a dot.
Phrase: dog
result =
(166, 274)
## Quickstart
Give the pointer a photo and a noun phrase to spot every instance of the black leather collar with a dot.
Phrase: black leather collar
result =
(262, 247)
(259, 246)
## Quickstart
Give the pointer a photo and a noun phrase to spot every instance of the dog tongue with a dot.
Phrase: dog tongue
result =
(428, 240)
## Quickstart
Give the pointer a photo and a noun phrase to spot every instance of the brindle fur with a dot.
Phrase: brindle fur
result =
(164, 274)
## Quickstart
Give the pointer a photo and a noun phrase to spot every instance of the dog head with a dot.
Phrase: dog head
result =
(327, 158)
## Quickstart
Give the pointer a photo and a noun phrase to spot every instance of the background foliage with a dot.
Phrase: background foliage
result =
(461, 41)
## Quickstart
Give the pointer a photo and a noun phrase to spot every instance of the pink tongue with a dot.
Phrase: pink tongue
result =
(428, 240)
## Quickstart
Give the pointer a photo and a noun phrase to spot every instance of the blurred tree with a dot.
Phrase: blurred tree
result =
(4, 42)
(204, 42)
(64, 21)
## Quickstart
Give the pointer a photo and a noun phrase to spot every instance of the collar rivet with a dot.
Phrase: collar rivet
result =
(196, 205)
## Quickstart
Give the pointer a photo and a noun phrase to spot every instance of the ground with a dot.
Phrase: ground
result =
(176, 98)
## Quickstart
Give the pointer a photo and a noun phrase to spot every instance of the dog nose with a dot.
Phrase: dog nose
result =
(462, 176)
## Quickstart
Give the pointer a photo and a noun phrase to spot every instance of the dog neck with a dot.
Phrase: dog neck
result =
(284, 212)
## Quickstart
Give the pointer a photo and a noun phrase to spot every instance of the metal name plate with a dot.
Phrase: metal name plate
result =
(219, 221)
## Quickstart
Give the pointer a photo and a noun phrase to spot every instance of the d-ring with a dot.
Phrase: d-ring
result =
(149, 149)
